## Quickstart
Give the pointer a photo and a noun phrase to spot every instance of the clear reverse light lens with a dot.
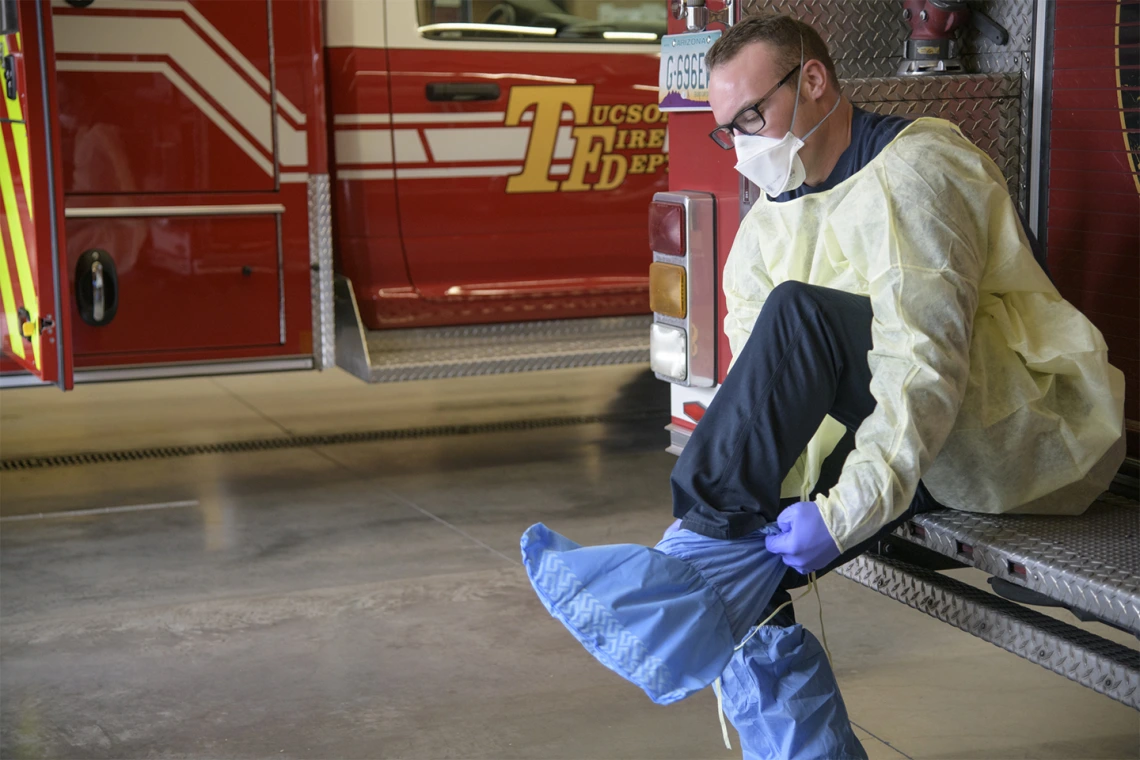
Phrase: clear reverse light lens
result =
(667, 351)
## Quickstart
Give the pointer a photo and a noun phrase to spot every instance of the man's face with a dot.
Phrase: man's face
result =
(747, 78)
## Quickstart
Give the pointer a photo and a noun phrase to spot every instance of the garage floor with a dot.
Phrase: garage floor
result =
(365, 600)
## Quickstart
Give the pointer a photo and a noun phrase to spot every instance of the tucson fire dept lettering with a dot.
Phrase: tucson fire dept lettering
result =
(600, 134)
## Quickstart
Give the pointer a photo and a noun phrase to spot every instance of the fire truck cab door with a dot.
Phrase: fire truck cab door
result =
(34, 317)
(524, 162)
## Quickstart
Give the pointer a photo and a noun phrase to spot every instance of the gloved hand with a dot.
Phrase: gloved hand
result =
(803, 541)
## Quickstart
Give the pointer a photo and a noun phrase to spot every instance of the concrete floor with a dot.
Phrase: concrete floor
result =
(366, 600)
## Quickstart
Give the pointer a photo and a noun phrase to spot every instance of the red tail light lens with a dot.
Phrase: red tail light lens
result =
(667, 228)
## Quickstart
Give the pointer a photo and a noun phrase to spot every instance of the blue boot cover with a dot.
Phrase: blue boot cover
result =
(780, 693)
(742, 571)
(659, 621)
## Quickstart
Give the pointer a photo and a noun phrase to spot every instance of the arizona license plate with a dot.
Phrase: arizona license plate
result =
(683, 80)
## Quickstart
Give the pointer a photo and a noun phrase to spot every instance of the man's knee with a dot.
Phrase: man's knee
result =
(791, 295)
(794, 297)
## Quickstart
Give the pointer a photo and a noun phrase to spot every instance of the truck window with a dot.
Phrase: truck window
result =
(618, 21)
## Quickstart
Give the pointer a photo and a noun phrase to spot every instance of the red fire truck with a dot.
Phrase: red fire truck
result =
(1051, 89)
(199, 186)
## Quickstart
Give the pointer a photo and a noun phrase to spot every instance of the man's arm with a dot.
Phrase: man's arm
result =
(746, 285)
(924, 243)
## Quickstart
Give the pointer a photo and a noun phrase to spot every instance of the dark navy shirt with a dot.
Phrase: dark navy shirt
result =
(870, 133)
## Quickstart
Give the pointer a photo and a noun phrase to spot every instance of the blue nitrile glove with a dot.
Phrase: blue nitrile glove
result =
(803, 541)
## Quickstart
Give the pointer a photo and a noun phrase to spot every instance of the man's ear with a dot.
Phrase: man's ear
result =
(815, 78)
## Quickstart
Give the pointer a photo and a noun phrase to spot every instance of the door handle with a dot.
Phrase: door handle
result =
(97, 292)
(96, 287)
(10, 77)
(461, 91)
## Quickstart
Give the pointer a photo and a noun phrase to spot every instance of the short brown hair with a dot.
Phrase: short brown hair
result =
(781, 32)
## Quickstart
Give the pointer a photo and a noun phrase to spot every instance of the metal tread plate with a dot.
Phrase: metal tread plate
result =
(1090, 660)
(321, 271)
(865, 37)
(948, 87)
(519, 347)
(384, 356)
(1090, 562)
(985, 106)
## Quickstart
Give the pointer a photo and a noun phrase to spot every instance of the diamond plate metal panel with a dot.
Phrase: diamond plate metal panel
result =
(321, 271)
(995, 63)
(932, 88)
(1091, 562)
(986, 106)
(1090, 660)
(866, 36)
(1017, 18)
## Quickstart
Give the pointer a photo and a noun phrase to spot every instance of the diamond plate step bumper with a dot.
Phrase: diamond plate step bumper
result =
(1083, 657)
(384, 356)
(1090, 562)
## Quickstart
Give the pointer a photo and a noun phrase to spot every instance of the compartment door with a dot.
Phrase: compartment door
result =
(33, 329)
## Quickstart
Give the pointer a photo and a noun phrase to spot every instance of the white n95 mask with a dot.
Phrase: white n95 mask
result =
(774, 164)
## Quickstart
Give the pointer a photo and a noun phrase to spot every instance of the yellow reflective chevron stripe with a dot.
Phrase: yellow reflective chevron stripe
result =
(19, 253)
(9, 299)
(20, 133)
(15, 224)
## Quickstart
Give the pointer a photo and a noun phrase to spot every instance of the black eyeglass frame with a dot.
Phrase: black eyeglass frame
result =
(731, 128)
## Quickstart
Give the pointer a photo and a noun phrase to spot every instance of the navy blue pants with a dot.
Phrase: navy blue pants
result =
(806, 358)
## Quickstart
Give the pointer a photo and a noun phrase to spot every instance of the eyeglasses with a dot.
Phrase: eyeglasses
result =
(748, 121)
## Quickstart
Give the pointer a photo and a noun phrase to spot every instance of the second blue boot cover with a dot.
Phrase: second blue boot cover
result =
(781, 694)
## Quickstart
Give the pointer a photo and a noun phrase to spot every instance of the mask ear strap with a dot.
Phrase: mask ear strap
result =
(811, 131)
(799, 81)
(821, 121)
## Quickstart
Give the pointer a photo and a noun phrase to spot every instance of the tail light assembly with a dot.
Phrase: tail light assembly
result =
(682, 288)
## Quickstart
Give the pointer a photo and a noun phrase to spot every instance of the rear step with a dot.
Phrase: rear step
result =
(385, 356)
(1090, 660)
(1088, 563)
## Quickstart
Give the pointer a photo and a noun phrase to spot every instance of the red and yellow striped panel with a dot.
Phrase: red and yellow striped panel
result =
(17, 284)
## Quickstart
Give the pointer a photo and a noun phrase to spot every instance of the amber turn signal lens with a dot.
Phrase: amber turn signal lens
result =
(667, 289)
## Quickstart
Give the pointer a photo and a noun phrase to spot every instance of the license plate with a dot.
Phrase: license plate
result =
(683, 80)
